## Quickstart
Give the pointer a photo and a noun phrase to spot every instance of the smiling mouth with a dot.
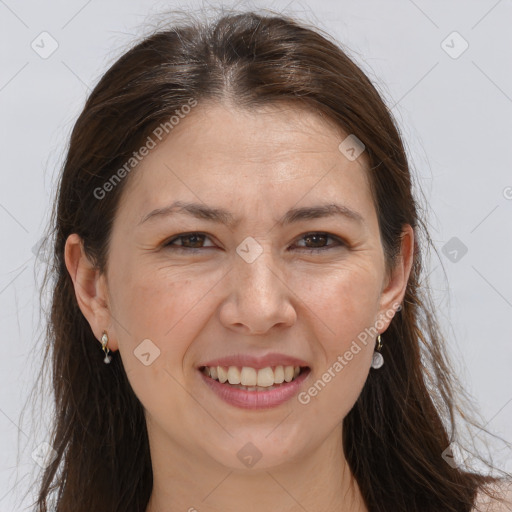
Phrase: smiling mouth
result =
(252, 379)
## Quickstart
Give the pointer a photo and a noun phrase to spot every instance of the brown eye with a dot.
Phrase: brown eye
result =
(319, 241)
(189, 241)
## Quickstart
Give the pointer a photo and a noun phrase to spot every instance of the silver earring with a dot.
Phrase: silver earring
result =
(104, 341)
(378, 358)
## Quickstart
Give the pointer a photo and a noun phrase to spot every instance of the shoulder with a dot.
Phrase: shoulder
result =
(502, 490)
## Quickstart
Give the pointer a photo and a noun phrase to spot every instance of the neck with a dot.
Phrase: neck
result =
(320, 480)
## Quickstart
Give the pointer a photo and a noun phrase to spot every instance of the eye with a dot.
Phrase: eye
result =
(191, 242)
(320, 238)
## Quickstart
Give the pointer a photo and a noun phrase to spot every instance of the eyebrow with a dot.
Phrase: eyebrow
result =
(221, 216)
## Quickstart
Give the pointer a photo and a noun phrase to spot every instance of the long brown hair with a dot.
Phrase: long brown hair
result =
(404, 419)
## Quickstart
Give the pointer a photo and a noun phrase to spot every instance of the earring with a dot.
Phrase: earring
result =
(378, 359)
(104, 341)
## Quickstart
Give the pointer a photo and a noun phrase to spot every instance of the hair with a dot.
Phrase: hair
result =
(404, 418)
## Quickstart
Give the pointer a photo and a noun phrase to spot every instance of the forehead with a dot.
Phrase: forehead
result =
(266, 135)
(222, 154)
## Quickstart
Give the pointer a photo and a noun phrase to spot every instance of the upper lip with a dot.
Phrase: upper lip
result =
(256, 362)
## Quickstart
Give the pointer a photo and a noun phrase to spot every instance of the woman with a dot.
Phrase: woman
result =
(237, 319)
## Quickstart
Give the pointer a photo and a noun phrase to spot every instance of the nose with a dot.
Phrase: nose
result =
(258, 297)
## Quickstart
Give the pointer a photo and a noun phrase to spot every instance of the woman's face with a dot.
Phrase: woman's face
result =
(244, 288)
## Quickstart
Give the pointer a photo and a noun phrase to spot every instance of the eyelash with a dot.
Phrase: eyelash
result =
(169, 245)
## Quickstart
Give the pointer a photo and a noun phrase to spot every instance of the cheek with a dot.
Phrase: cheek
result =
(341, 301)
(344, 305)
(167, 307)
(156, 314)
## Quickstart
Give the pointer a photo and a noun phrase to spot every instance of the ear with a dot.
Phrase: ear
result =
(90, 290)
(396, 279)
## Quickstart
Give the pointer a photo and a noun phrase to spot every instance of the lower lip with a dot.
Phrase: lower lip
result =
(256, 399)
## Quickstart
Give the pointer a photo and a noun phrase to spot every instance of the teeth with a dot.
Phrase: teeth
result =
(265, 377)
(251, 378)
(221, 373)
(233, 375)
(248, 377)
(279, 375)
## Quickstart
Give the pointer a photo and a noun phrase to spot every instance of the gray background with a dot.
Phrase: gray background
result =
(454, 110)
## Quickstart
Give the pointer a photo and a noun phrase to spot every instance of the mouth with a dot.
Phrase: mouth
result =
(251, 379)
(246, 387)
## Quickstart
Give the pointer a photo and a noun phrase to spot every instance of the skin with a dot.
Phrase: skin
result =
(198, 306)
